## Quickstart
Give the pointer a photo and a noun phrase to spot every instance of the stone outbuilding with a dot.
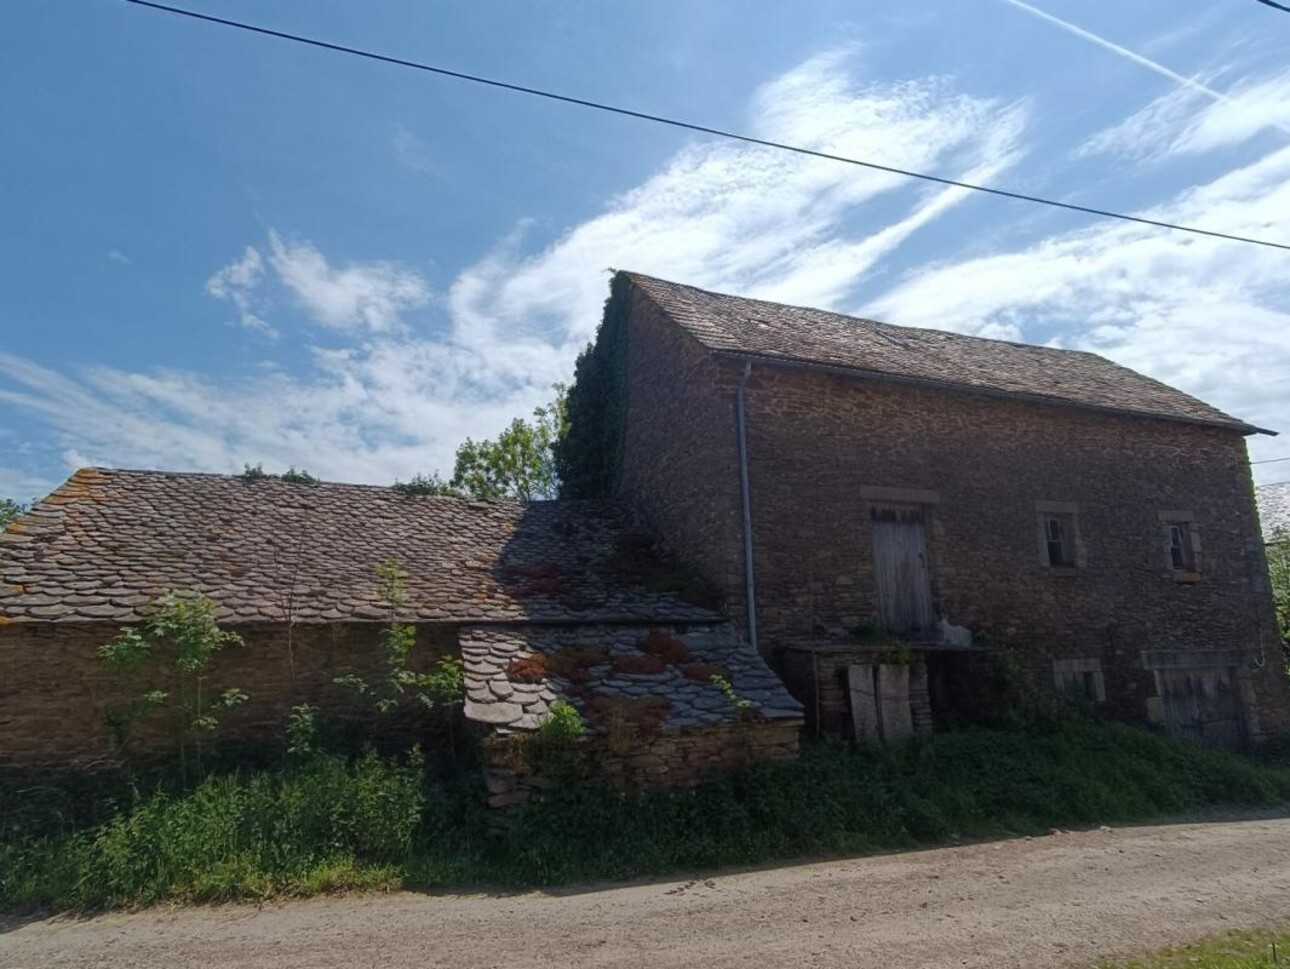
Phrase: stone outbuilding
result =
(289, 566)
(878, 504)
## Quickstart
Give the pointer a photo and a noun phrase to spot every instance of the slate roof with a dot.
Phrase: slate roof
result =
(106, 541)
(1274, 509)
(511, 702)
(776, 332)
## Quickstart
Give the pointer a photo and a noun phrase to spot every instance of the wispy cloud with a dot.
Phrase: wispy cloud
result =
(412, 152)
(1183, 123)
(119, 257)
(370, 296)
(237, 282)
(411, 375)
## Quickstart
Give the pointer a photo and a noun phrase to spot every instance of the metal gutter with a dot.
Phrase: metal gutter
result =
(750, 585)
(793, 363)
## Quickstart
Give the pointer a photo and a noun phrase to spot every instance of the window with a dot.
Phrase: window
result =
(1059, 540)
(1081, 678)
(1061, 547)
(1181, 545)
(1181, 556)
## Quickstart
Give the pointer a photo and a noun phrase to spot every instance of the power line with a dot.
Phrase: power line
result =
(1276, 6)
(702, 129)
(1270, 460)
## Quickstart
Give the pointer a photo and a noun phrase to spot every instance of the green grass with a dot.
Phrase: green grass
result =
(1232, 950)
(334, 824)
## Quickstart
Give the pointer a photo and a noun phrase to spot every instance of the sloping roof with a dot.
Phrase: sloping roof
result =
(794, 334)
(681, 692)
(265, 550)
(1274, 509)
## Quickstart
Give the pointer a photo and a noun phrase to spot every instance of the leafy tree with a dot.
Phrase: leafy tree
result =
(1278, 552)
(518, 463)
(9, 511)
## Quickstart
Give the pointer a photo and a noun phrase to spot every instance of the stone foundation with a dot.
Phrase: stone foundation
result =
(515, 769)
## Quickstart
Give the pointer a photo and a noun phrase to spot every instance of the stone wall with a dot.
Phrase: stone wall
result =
(680, 464)
(515, 768)
(54, 691)
(824, 449)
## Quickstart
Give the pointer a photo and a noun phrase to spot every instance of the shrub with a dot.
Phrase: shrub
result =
(327, 823)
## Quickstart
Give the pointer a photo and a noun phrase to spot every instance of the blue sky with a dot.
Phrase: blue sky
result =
(223, 249)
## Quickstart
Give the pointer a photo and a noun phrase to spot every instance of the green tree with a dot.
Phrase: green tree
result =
(9, 511)
(1278, 551)
(518, 463)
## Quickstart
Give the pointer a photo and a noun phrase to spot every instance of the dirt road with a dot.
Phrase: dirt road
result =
(1064, 899)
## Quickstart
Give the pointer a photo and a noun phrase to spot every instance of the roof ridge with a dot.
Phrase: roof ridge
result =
(904, 327)
(786, 333)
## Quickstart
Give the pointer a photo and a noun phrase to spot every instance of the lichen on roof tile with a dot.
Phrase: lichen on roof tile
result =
(778, 332)
(268, 550)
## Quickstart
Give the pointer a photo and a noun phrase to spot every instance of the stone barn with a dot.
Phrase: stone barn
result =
(877, 504)
(542, 601)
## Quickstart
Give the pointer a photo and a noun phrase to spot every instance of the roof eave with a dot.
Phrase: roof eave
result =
(857, 373)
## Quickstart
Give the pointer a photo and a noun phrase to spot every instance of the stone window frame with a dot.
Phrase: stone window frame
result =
(1068, 510)
(1168, 520)
(1074, 675)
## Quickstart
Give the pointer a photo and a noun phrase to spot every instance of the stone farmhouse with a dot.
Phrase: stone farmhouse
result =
(853, 525)
(837, 477)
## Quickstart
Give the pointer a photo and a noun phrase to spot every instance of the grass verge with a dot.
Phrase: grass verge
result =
(1231, 950)
(333, 824)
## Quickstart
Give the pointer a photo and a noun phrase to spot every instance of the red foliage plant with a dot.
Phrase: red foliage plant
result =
(704, 672)
(645, 713)
(666, 647)
(639, 663)
(528, 669)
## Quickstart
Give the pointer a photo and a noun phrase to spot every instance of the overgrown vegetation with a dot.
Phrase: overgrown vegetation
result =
(165, 662)
(1278, 552)
(291, 475)
(589, 452)
(10, 511)
(439, 689)
(519, 463)
(322, 822)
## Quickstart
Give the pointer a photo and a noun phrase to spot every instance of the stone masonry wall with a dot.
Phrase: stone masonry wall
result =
(825, 448)
(666, 759)
(53, 690)
(681, 464)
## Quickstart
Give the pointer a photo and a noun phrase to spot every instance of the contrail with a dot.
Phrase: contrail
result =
(1190, 83)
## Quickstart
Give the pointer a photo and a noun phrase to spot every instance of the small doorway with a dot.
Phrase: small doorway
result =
(1202, 704)
(900, 566)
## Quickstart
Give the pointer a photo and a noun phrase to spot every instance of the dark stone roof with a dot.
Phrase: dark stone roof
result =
(107, 541)
(608, 686)
(775, 332)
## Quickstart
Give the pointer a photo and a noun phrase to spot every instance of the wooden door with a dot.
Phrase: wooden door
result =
(900, 564)
(1202, 704)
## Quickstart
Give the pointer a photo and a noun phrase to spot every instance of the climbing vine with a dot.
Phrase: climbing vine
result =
(589, 451)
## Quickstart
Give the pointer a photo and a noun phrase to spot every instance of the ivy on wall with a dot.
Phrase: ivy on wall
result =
(589, 451)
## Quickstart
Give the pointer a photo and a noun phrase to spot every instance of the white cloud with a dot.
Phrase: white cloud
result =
(755, 220)
(1183, 122)
(387, 400)
(360, 296)
(412, 152)
(119, 257)
(1210, 317)
(237, 282)
(390, 401)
